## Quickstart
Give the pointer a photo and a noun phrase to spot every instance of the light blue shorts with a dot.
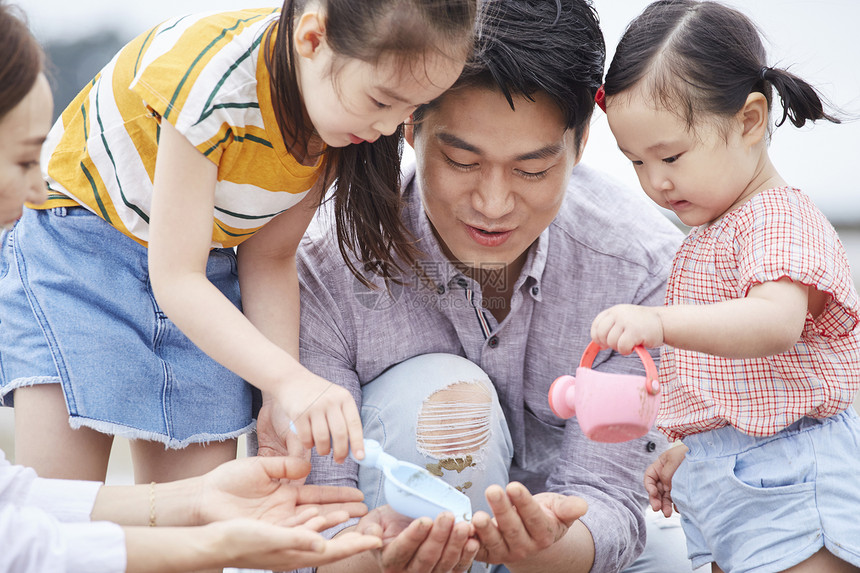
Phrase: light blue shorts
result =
(76, 308)
(766, 504)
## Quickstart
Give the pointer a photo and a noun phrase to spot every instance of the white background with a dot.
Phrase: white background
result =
(818, 38)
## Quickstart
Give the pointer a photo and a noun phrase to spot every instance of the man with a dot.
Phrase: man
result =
(521, 248)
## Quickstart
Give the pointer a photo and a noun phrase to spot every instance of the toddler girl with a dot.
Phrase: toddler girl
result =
(761, 361)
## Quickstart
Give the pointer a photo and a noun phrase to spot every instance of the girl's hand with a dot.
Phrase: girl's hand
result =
(323, 415)
(264, 488)
(658, 478)
(625, 326)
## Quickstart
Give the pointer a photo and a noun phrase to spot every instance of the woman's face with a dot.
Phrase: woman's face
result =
(23, 130)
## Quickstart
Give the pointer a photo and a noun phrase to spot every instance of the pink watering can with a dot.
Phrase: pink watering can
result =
(609, 407)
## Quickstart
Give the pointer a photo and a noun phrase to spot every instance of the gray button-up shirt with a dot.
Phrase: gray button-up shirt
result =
(608, 245)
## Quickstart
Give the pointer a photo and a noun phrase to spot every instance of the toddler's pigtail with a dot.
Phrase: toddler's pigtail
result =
(800, 101)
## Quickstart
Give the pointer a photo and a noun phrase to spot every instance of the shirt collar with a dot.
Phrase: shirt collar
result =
(536, 262)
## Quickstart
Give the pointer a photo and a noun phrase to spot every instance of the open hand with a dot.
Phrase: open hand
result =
(258, 545)
(261, 488)
(420, 545)
(523, 524)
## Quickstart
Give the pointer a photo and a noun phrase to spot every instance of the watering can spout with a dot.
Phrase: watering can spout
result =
(561, 396)
(609, 407)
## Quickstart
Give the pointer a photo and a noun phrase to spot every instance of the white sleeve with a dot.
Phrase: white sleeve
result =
(35, 542)
(66, 500)
(35, 539)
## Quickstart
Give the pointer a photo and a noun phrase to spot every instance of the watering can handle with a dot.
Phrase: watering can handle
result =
(653, 385)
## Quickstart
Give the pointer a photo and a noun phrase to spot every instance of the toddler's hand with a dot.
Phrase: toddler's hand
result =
(324, 415)
(658, 478)
(625, 326)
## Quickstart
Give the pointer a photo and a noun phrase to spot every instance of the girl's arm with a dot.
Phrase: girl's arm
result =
(269, 283)
(769, 320)
(180, 237)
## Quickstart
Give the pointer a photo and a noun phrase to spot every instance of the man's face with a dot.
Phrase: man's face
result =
(492, 178)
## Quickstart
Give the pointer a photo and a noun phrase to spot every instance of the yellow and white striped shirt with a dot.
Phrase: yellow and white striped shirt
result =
(206, 75)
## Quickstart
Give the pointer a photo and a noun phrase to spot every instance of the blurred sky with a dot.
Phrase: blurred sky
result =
(818, 38)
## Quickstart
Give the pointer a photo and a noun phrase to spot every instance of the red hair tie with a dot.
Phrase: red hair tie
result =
(600, 98)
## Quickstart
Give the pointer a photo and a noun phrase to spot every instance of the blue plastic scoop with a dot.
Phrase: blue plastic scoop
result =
(412, 490)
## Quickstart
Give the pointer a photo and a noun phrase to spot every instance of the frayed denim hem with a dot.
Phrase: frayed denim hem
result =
(169, 442)
(6, 392)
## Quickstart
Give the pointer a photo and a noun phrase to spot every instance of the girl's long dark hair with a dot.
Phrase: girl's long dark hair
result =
(366, 177)
(21, 58)
(704, 57)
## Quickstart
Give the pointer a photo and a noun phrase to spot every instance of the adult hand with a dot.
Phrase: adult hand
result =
(658, 478)
(257, 545)
(524, 525)
(261, 488)
(420, 545)
(625, 326)
(275, 437)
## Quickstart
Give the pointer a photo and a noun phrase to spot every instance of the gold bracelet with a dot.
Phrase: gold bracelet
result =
(152, 504)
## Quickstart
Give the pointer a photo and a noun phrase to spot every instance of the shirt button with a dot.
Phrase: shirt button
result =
(494, 341)
(462, 282)
(535, 290)
(650, 447)
(440, 289)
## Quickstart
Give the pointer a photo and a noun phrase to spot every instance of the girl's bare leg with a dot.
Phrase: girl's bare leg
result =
(152, 462)
(821, 562)
(45, 441)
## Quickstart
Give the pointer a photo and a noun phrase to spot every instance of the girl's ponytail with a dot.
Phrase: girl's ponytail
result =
(368, 220)
(800, 101)
(366, 177)
(702, 57)
(367, 207)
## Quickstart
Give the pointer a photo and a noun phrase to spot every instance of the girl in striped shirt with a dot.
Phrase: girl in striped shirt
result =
(185, 173)
(761, 356)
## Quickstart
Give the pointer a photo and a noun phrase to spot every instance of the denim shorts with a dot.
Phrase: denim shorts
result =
(76, 308)
(766, 504)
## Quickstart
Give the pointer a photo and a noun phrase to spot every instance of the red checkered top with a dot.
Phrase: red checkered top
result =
(778, 233)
